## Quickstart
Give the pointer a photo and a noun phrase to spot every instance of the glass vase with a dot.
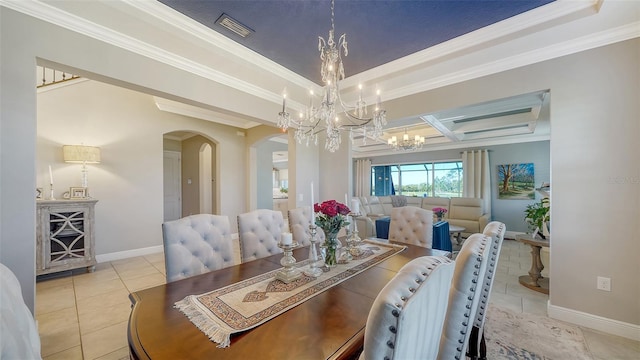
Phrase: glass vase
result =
(331, 245)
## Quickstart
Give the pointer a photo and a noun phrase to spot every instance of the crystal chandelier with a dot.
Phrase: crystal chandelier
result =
(406, 143)
(325, 116)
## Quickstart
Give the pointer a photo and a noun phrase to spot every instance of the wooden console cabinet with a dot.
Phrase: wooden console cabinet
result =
(65, 235)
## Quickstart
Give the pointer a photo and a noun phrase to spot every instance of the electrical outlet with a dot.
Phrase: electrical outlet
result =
(603, 283)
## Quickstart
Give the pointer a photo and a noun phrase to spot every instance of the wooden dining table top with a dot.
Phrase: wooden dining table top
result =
(329, 325)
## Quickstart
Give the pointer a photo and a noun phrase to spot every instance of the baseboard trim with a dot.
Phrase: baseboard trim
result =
(129, 254)
(609, 326)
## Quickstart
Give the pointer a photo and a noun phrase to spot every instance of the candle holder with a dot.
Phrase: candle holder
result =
(51, 197)
(313, 269)
(288, 273)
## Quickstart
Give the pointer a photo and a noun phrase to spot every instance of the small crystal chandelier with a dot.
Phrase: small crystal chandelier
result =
(406, 143)
(324, 116)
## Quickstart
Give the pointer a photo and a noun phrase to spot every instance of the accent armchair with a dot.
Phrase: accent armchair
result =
(468, 213)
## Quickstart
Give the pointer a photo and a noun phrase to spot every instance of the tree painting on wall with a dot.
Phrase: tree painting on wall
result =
(516, 182)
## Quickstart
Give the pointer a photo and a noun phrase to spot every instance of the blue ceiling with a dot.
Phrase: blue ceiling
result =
(377, 31)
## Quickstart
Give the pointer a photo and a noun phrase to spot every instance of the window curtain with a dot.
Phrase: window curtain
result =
(477, 176)
(363, 177)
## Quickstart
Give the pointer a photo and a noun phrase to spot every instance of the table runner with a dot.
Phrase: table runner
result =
(251, 302)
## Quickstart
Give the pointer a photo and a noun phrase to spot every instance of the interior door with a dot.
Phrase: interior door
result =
(172, 185)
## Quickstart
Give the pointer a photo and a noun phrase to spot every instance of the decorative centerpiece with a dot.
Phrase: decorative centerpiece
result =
(331, 217)
(439, 212)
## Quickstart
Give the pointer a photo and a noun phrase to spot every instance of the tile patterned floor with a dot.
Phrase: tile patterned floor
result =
(84, 315)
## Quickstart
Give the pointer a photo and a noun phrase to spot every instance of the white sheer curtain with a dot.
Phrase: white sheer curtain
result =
(363, 177)
(477, 176)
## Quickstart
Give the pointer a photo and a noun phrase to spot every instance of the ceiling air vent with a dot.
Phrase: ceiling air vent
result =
(234, 25)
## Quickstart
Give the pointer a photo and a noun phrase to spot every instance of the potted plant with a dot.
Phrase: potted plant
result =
(537, 216)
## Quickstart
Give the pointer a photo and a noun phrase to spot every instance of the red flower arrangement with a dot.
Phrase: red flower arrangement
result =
(331, 216)
(439, 211)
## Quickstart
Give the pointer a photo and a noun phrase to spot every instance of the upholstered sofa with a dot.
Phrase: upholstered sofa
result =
(375, 207)
(466, 212)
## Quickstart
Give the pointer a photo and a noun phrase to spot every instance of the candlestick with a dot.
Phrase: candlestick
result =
(346, 199)
(289, 272)
(314, 268)
(286, 238)
(355, 206)
(313, 212)
(50, 176)
(284, 101)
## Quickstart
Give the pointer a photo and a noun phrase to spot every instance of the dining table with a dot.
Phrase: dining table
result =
(329, 325)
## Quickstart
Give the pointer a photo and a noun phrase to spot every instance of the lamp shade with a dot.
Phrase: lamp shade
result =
(81, 154)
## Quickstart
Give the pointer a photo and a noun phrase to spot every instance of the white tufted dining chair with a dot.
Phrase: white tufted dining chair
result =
(299, 221)
(411, 225)
(259, 232)
(495, 230)
(195, 245)
(464, 296)
(406, 319)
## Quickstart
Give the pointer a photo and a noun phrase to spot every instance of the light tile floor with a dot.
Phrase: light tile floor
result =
(84, 315)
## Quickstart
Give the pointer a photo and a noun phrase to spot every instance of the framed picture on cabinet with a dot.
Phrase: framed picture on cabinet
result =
(77, 193)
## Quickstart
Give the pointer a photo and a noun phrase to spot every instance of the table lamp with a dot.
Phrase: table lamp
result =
(81, 154)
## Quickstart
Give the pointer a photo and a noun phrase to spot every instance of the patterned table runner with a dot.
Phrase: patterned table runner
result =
(249, 303)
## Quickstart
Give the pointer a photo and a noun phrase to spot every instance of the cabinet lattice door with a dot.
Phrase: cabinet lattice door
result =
(65, 235)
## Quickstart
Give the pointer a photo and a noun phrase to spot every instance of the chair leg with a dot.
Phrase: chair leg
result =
(483, 348)
(472, 349)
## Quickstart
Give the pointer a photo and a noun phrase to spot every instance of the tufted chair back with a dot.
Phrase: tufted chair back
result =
(299, 221)
(195, 245)
(405, 321)
(411, 225)
(259, 232)
(464, 295)
(495, 230)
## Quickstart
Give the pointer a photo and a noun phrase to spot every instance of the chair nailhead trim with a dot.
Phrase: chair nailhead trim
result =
(395, 313)
(390, 344)
(393, 329)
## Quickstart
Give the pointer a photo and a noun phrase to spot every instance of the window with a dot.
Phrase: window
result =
(426, 179)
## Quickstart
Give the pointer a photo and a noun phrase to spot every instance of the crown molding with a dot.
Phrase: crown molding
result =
(200, 113)
(53, 15)
(520, 23)
(184, 23)
(587, 42)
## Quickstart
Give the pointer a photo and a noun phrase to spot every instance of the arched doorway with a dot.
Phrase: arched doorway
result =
(196, 156)
(206, 179)
(270, 174)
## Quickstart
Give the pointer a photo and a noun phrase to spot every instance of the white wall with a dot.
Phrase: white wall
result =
(129, 129)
